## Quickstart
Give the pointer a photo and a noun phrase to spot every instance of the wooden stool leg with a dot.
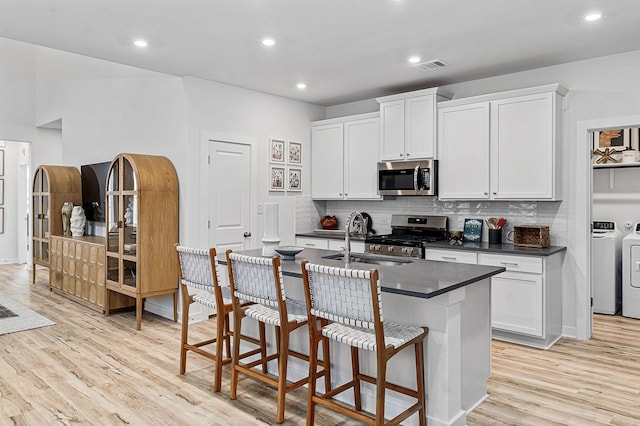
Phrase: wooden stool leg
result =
(313, 367)
(283, 358)
(220, 340)
(381, 384)
(184, 335)
(263, 346)
(326, 361)
(175, 306)
(355, 371)
(421, 386)
(237, 327)
(227, 335)
(33, 273)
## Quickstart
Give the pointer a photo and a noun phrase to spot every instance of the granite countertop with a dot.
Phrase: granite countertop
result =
(497, 248)
(419, 278)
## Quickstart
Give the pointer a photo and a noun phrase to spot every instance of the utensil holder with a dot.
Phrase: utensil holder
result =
(495, 236)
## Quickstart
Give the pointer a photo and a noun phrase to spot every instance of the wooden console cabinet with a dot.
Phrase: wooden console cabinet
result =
(77, 271)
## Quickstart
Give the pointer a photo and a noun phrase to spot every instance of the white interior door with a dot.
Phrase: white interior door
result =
(230, 196)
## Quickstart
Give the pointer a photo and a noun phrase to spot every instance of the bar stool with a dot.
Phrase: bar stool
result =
(198, 271)
(259, 280)
(351, 300)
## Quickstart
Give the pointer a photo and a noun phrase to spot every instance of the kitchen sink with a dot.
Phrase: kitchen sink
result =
(374, 260)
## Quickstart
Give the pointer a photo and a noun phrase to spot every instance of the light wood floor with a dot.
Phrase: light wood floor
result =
(91, 369)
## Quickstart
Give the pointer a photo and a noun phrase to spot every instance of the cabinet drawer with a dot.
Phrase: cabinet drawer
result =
(456, 256)
(530, 264)
(319, 243)
(338, 245)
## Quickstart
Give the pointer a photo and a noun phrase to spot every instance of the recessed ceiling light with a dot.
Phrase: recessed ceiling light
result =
(593, 16)
(141, 43)
(414, 59)
(301, 86)
(268, 41)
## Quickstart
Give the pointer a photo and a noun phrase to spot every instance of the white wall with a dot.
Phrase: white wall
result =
(215, 107)
(616, 195)
(598, 88)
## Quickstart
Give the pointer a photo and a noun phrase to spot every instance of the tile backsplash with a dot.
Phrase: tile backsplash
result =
(552, 214)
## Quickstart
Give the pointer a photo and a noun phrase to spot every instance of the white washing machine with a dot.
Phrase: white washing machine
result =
(606, 266)
(631, 274)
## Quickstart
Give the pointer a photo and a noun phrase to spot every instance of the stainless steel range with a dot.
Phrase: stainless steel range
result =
(409, 234)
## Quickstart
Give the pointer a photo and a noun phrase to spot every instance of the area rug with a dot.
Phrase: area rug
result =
(15, 317)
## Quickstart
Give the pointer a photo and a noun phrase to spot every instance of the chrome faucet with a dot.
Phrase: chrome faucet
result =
(347, 234)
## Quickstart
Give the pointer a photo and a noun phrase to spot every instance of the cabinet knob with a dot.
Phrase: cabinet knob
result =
(247, 234)
(408, 154)
(401, 155)
(495, 193)
(340, 194)
(486, 193)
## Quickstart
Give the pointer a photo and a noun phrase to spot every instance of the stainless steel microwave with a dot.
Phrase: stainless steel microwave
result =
(408, 177)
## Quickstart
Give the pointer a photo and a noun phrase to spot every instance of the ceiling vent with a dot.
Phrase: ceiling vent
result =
(430, 65)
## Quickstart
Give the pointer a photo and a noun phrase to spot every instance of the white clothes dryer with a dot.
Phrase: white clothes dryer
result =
(631, 274)
(606, 267)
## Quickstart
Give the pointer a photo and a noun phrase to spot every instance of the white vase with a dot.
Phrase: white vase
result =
(271, 238)
(78, 221)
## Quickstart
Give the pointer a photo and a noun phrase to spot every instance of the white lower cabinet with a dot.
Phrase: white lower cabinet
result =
(338, 245)
(318, 243)
(329, 244)
(456, 256)
(526, 300)
(517, 303)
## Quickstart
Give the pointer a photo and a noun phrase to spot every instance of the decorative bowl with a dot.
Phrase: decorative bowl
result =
(329, 222)
(288, 252)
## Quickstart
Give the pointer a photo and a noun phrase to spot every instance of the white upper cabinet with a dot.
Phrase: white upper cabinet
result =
(344, 156)
(463, 144)
(408, 125)
(505, 146)
(326, 161)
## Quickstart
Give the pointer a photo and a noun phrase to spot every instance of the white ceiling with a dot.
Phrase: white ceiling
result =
(344, 50)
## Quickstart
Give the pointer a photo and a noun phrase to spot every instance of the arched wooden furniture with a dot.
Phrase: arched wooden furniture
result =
(351, 300)
(259, 280)
(199, 284)
(52, 187)
(142, 229)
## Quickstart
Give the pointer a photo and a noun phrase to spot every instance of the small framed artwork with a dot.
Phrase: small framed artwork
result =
(294, 182)
(616, 139)
(1, 220)
(1, 162)
(277, 151)
(295, 153)
(276, 180)
(472, 230)
(1, 191)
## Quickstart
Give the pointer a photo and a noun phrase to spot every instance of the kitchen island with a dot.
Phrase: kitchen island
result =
(453, 300)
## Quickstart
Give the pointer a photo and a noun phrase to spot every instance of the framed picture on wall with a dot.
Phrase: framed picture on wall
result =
(294, 181)
(277, 151)
(617, 139)
(1, 162)
(276, 174)
(294, 153)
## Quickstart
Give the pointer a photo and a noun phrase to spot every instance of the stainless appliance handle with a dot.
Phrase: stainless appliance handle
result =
(416, 171)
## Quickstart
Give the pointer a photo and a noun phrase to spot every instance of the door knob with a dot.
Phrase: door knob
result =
(247, 234)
